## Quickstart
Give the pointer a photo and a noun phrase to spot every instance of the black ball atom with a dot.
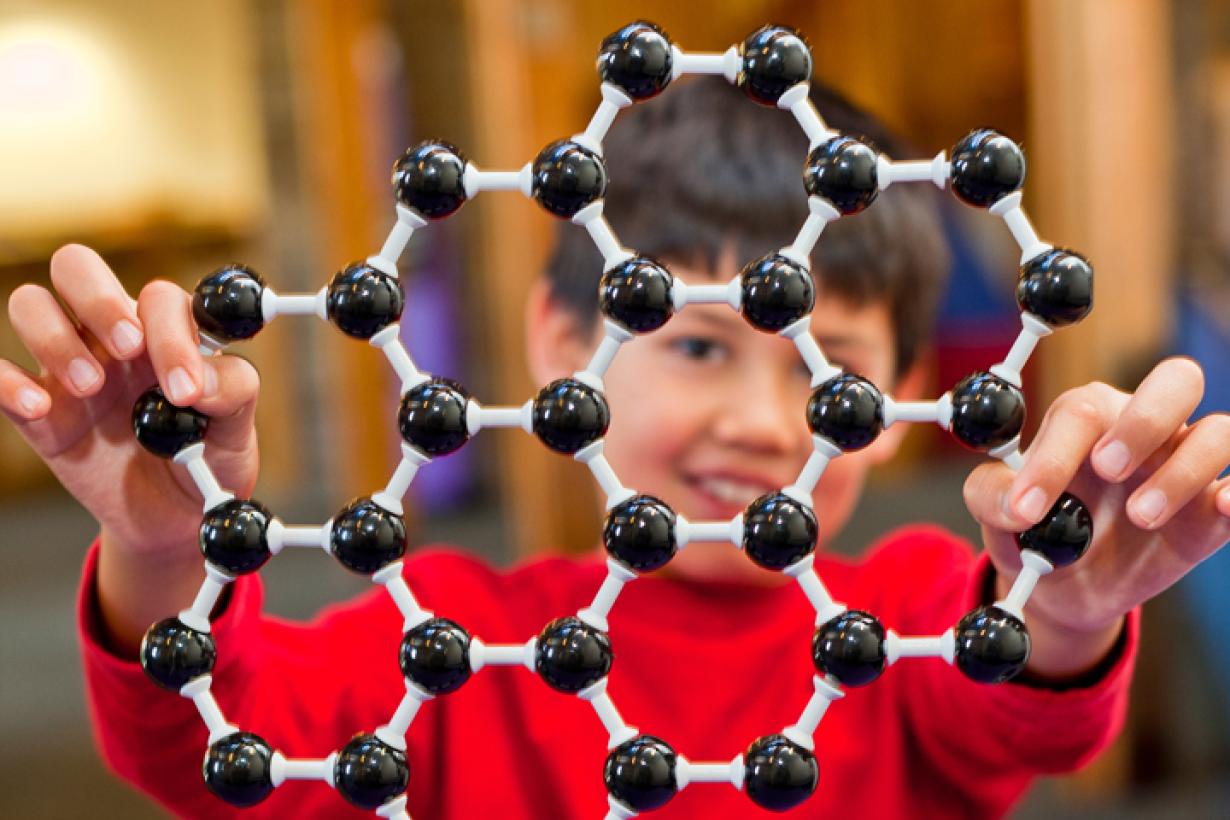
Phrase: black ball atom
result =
(638, 59)
(640, 533)
(173, 653)
(843, 171)
(233, 536)
(436, 656)
(1057, 287)
(775, 59)
(363, 300)
(850, 647)
(567, 176)
(640, 773)
(992, 645)
(569, 414)
(987, 411)
(366, 537)
(432, 417)
(847, 410)
(370, 772)
(636, 293)
(777, 292)
(779, 774)
(430, 179)
(1064, 533)
(164, 428)
(778, 531)
(571, 655)
(986, 167)
(238, 768)
(227, 303)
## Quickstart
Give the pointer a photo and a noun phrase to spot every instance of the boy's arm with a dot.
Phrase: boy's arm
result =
(304, 688)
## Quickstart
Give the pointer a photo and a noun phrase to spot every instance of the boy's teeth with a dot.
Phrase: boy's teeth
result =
(732, 492)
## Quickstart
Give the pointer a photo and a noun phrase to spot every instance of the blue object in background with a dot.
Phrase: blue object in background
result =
(1201, 336)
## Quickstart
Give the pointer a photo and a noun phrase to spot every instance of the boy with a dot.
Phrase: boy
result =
(711, 653)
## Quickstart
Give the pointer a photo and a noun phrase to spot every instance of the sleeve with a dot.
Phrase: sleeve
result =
(272, 677)
(988, 742)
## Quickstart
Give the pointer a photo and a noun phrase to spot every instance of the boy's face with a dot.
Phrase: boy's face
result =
(708, 414)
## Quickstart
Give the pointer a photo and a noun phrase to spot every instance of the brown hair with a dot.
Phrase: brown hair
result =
(700, 168)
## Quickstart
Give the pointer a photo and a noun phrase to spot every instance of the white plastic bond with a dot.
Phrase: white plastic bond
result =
(479, 417)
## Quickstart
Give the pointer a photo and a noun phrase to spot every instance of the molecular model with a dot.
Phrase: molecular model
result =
(775, 294)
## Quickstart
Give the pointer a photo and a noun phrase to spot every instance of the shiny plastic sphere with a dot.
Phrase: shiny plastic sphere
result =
(227, 304)
(640, 533)
(172, 654)
(430, 179)
(850, 647)
(637, 58)
(992, 645)
(366, 537)
(432, 417)
(163, 428)
(986, 167)
(1057, 287)
(775, 59)
(571, 655)
(567, 176)
(238, 768)
(987, 411)
(778, 531)
(233, 536)
(1064, 533)
(843, 171)
(847, 410)
(779, 774)
(637, 294)
(436, 656)
(777, 292)
(569, 414)
(363, 300)
(640, 773)
(370, 772)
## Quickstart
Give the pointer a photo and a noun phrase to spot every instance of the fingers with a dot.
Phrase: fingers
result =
(1195, 463)
(986, 494)
(165, 312)
(1155, 412)
(21, 397)
(1074, 422)
(96, 297)
(54, 340)
(232, 408)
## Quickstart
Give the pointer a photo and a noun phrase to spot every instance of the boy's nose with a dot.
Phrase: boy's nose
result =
(763, 413)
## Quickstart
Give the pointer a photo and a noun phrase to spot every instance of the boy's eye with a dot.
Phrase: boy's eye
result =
(700, 348)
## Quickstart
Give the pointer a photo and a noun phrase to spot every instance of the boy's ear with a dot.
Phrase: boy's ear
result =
(555, 342)
(908, 388)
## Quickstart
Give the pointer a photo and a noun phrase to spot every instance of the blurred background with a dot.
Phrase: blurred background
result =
(177, 137)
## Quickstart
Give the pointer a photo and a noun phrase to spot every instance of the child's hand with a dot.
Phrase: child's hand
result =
(1150, 482)
(96, 358)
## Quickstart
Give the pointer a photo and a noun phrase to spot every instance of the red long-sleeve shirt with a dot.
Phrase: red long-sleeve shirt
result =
(708, 668)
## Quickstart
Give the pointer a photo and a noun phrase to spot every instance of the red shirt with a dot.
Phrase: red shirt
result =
(708, 668)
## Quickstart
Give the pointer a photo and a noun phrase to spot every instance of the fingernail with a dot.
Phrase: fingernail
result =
(125, 337)
(1032, 504)
(1150, 505)
(211, 380)
(180, 385)
(82, 374)
(31, 401)
(1112, 459)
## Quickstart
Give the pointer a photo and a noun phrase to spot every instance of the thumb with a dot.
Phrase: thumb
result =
(986, 494)
(230, 402)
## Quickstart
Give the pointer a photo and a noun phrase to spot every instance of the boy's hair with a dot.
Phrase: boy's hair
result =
(702, 168)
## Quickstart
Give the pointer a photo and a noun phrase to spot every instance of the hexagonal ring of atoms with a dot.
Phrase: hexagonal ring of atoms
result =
(778, 531)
